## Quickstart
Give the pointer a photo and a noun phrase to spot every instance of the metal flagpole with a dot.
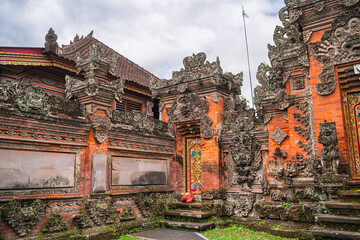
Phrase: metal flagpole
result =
(247, 53)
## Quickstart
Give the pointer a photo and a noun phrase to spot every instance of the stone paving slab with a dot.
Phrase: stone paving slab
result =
(169, 234)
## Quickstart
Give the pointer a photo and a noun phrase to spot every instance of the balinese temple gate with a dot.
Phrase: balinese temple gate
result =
(192, 103)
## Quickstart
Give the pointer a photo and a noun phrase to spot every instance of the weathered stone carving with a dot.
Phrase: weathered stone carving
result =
(285, 211)
(101, 126)
(278, 136)
(34, 100)
(93, 64)
(244, 205)
(23, 215)
(96, 59)
(55, 223)
(100, 211)
(82, 220)
(196, 63)
(195, 71)
(118, 86)
(190, 107)
(147, 203)
(305, 132)
(139, 122)
(51, 45)
(276, 167)
(330, 152)
(337, 46)
(214, 194)
(244, 154)
(127, 214)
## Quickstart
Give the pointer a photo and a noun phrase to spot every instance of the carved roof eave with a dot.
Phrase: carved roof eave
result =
(24, 59)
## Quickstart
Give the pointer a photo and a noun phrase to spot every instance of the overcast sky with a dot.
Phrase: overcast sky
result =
(156, 34)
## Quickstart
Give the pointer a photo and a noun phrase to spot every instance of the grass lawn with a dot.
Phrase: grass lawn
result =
(230, 233)
(239, 233)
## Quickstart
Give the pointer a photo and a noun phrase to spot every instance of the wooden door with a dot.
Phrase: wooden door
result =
(193, 166)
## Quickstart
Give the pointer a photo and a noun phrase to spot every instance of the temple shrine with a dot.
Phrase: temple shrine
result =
(90, 138)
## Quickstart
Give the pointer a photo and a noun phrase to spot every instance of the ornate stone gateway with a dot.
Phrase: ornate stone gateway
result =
(351, 107)
(193, 166)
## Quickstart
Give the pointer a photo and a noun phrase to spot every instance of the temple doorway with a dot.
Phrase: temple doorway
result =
(351, 107)
(193, 166)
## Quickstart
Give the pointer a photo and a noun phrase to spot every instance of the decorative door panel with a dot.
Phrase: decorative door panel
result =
(352, 118)
(193, 166)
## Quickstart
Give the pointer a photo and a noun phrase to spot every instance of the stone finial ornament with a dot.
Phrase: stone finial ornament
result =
(51, 45)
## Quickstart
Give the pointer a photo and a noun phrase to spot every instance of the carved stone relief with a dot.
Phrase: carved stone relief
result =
(101, 126)
(190, 107)
(278, 136)
(23, 215)
(330, 152)
(196, 69)
(337, 46)
(244, 156)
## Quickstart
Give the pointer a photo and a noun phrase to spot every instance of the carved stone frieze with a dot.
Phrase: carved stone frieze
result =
(101, 126)
(330, 152)
(28, 99)
(190, 107)
(22, 216)
(55, 223)
(139, 122)
(100, 211)
(295, 212)
(338, 45)
(244, 157)
(278, 136)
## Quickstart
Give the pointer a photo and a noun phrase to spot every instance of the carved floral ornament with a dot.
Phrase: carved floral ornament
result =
(190, 107)
(101, 126)
(337, 47)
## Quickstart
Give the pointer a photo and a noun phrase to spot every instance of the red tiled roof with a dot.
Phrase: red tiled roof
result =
(125, 67)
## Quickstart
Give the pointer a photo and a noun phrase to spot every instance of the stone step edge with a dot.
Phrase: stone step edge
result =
(189, 214)
(188, 205)
(342, 205)
(336, 234)
(349, 193)
(337, 219)
(188, 225)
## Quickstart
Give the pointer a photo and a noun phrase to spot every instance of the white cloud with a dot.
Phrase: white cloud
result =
(156, 34)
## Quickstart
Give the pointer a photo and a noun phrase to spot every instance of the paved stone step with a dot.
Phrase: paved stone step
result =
(345, 205)
(326, 234)
(349, 195)
(337, 219)
(188, 205)
(188, 213)
(189, 225)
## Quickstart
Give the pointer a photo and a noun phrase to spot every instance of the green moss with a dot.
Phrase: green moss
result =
(238, 233)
